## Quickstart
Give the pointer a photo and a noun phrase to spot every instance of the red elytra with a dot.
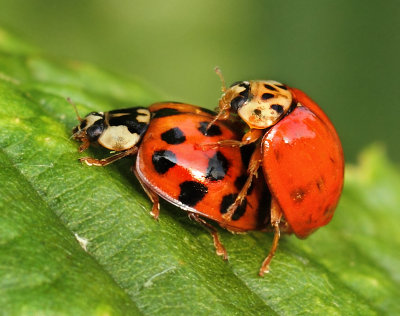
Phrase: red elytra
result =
(303, 164)
(298, 150)
(215, 170)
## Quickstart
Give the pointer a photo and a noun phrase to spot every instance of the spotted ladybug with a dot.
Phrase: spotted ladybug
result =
(169, 164)
(297, 148)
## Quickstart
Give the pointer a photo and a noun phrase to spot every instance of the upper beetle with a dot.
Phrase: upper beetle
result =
(298, 149)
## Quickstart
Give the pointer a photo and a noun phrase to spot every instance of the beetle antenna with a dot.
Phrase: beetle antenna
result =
(75, 108)
(221, 77)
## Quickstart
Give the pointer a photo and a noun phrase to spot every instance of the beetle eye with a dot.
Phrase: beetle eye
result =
(237, 102)
(93, 132)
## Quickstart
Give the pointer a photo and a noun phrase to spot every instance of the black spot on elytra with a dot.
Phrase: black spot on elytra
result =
(269, 87)
(227, 201)
(214, 130)
(173, 136)
(217, 167)
(166, 112)
(267, 96)
(163, 160)
(241, 180)
(95, 130)
(192, 192)
(277, 107)
(298, 195)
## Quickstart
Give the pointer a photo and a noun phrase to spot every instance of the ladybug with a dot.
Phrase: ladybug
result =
(169, 163)
(297, 148)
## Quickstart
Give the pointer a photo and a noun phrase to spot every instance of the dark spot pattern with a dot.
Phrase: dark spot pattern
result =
(128, 118)
(282, 86)
(83, 124)
(257, 112)
(173, 136)
(227, 201)
(166, 112)
(163, 160)
(269, 87)
(95, 130)
(298, 195)
(241, 180)
(214, 130)
(277, 107)
(267, 96)
(217, 167)
(192, 192)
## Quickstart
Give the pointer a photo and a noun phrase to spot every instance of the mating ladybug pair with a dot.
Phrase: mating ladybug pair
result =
(284, 174)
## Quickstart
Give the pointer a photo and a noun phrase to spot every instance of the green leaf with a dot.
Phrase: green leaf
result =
(79, 240)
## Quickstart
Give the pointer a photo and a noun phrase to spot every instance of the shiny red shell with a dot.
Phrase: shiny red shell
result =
(192, 164)
(303, 165)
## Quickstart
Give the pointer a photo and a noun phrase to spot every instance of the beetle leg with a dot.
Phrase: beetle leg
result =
(219, 248)
(106, 161)
(276, 215)
(250, 137)
(155, 211)
(254, 165)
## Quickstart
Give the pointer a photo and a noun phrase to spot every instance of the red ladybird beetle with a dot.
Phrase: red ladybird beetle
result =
(298, 149)
(169, 163)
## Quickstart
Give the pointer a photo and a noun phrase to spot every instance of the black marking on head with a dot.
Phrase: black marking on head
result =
(217, 167)
(269, 87)
(166, 112)
(267, 96)
(243, 97)
(163, 160)
(214, 130)
(237, 102)
(83, 124)
(277, 107)
(257, 112)
(192, 192)
(95, 130)
(227, 201)
(173, 136)
(128, 117)
(282, 86)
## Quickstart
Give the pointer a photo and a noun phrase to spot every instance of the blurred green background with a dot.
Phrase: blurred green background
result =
(344, 54)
